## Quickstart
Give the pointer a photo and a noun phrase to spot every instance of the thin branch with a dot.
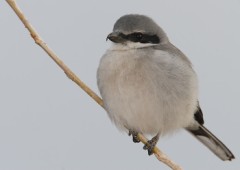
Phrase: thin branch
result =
(44, 46)
(159, 155)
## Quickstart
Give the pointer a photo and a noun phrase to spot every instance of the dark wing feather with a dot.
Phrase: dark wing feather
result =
(198, 115)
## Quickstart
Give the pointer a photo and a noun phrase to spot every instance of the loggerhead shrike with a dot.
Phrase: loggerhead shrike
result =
(148, 85)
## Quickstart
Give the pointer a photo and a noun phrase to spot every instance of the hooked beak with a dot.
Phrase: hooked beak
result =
(115, 37)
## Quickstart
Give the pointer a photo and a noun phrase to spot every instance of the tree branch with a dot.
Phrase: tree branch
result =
(159, 155)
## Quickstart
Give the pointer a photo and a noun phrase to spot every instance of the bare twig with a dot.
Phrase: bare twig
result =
(159, 155)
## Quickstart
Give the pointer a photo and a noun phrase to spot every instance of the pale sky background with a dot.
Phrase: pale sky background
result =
(48, 123)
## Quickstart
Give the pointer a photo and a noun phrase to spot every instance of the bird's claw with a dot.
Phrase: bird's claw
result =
(150, 145)
(134, 136)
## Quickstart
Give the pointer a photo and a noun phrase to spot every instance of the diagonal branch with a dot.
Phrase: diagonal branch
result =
(159, 155)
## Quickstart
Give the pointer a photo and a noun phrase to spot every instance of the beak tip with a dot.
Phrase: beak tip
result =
(114, 37)
(107, 38)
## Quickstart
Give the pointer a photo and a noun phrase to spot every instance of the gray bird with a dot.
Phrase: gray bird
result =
(148, 85)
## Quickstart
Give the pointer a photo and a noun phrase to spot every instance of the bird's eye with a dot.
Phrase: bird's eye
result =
(138, 35)
(135, 37)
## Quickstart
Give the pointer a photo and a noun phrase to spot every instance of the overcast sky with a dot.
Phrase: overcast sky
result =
(48, 123)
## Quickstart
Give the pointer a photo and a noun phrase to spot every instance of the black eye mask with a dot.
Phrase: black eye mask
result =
(141, 37)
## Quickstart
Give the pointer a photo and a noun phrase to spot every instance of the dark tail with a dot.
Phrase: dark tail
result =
(212, 142)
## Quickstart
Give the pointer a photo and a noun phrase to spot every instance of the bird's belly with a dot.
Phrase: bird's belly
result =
(135, 102)
(146, 97)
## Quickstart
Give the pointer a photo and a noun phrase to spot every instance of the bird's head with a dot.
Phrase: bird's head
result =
(136, 31)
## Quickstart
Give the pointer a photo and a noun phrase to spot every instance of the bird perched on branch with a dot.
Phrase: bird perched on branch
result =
(148, 85)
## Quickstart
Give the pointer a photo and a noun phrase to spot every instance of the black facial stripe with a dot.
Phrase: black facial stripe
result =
(135, 37)
(123, 36)
(141, 37)
(154, 39)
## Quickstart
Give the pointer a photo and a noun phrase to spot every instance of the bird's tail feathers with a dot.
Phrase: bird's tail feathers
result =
(212, 142)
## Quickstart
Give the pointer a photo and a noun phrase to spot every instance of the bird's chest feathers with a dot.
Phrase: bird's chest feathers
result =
(125, 68)
(132, 67)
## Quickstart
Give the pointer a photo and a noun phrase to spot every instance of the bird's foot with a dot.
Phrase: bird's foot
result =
(134, 136)
(151, 144)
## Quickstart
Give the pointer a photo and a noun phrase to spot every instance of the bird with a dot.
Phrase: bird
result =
(149, 86)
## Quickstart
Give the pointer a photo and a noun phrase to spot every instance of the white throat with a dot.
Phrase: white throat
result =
(129, 46)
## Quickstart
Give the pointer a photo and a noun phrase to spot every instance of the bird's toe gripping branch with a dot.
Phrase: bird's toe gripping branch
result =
(134, 135)
(151, 144)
